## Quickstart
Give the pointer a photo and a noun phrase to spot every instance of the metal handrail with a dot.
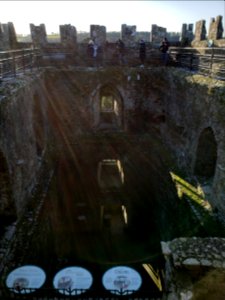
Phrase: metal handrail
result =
(12, 62)
(204, 61)
(54, 294)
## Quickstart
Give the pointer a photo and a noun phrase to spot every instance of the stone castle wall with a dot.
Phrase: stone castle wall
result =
(215, 33)
(180, 106)
(22, 143)
(68, 35)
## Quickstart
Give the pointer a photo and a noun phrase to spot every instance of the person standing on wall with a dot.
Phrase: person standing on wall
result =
(121, 51)
(164, 47)
(142, 52)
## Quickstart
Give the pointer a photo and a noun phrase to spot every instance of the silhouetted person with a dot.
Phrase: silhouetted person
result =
(93, 51)
(121, 51)
(142, 52)
(164, 47)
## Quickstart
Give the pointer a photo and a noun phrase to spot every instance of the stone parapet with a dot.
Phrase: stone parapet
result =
(193, 263)
(193, 252)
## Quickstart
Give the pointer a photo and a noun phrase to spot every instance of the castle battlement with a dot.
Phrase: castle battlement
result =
(98, 33)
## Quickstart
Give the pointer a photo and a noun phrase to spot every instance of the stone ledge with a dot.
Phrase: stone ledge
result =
(193, 252)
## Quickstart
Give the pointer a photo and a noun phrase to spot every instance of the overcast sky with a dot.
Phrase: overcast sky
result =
(112, 14)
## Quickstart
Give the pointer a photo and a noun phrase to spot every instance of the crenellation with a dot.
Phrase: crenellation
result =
(216, 28)
(200, 30)
(98, 149)
(98, 34)
(38, 35)
(68, 35)
(128, 33)
(157, 34)
(8, 40)
(186, 34)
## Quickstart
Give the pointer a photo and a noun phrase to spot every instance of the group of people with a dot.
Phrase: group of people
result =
(164, 47)
(93, 49)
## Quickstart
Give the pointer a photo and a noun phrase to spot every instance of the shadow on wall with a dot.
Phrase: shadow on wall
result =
(206, 160)
(7, 207)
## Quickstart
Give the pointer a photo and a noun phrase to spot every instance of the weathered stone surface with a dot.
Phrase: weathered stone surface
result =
(187, 34)
(98, 34)
(38, 35)
(128, 33)
(216, 28)
(191, 262)
(8, 38)
(68, 35)
(157, 35)
(165, 248)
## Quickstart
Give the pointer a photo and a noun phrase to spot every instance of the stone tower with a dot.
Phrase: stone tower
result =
(38, 35)
(200, 30)
(186, 34)
(157, 34)
(68, 35)
(216, 29)
(128, 34)
(98, 34)
(8, 40)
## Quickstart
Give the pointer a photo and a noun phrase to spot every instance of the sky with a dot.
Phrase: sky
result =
(112, 14)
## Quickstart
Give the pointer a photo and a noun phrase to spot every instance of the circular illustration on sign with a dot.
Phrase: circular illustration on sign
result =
(121, 280)
(72, 280)
(65, 282)
(25, 279)
(20, 283)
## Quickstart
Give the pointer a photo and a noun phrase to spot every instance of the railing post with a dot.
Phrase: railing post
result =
(23, 58)
(31, 61)
(211, 61)
(1, 71)
(191, 62)
(14, 64)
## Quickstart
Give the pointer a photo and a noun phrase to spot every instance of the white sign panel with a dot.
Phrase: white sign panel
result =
(72, 278)
(120, 279)
(30, 277)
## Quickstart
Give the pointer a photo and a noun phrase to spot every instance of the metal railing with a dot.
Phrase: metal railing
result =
(13, 62)
(205, 61)
(81, 294)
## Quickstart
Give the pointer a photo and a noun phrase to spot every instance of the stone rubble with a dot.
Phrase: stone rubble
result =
(186, 261)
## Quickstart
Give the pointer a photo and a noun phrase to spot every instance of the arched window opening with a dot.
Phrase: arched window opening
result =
(113, 210)
(110, 174)
(206, 155)
(109, 112)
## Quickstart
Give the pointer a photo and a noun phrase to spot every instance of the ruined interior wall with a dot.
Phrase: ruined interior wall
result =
(195, 102)
(176, 103)
(189, 263)
(179, 104)
(18, 140)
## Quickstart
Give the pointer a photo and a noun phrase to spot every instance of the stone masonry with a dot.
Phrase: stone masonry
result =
(200, 30)
(187, 261)
(68, 35)
(128, 34)
(216, 29)
(98, 34)
(8, 36)
(157, 34)
(38, 35)
(186, 34)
